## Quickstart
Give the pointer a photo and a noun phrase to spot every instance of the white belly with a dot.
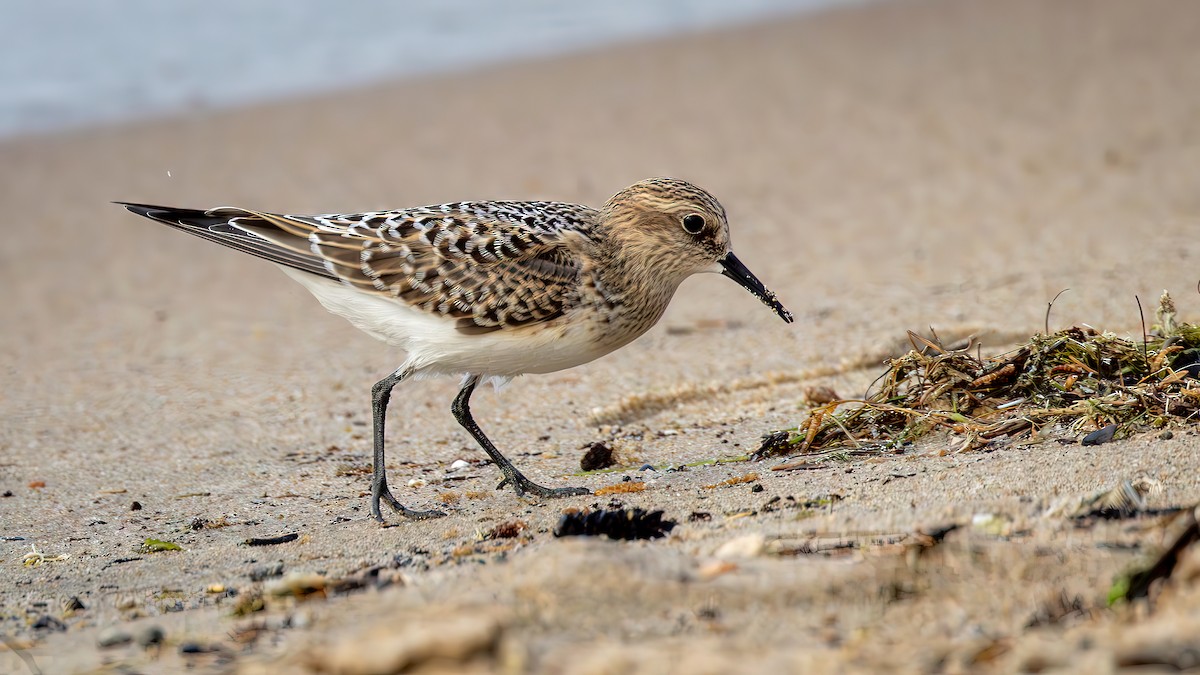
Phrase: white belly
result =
(435, 345)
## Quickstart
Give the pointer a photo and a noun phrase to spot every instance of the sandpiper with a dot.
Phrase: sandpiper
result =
(490, 289)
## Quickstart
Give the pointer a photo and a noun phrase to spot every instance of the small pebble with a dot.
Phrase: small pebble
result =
(746, 546)
(459, 464)
(1099, 436)
(598, 456)
(73, 604)
(647, 467)
(1166, 435)
(47, 622)
(150, 636)
(195, 648)
(136, 506)
(757, 487)
(113, 637)
(267, 571)
(818, 395)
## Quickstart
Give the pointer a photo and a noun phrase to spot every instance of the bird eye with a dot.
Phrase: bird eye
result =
(693, 224)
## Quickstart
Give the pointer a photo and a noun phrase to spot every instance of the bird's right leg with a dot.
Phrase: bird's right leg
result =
(381, 393)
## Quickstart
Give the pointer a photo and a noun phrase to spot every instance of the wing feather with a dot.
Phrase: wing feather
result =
(487, 265)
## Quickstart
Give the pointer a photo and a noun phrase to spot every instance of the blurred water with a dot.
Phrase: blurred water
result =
(66, 63)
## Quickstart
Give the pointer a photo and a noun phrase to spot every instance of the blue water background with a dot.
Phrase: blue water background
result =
(71, 63)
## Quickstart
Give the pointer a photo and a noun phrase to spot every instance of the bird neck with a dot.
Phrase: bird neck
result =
(632, 274)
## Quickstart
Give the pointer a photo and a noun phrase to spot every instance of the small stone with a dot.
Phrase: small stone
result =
(995, 524)
(647, 467)
(113, 637)
(598, 456)
(1166, 435)
(416, 483)
(757, 487)
(136, 506)
(150, 636)
(73, 604)
(748, 546)
(820, 394)
(267, 571)
(47, 622)
(459, 464)
(1099, 436)
(195, 648)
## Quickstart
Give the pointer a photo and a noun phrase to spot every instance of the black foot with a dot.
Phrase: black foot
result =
(524, 486)
(386, 495)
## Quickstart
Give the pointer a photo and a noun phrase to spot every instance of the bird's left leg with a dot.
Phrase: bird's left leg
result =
(462, 412)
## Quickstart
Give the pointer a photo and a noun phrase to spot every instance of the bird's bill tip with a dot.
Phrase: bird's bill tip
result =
(734, 269)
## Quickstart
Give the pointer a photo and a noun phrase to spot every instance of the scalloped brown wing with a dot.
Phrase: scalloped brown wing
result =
(487, 274)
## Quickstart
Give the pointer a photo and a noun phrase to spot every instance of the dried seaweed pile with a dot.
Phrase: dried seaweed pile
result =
(1076, 379)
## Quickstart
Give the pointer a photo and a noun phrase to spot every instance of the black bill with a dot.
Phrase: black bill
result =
(734, 269)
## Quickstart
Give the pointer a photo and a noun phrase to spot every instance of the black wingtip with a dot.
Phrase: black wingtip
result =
(165, 214)
(146, 210)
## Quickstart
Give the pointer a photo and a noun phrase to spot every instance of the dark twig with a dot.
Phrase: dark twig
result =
(1145, 344)
(271, 541)
(1050, 306)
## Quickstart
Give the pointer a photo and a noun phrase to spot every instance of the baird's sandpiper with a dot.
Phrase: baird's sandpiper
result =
(490, 289)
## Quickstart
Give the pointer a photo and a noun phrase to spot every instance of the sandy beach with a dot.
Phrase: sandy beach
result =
(888, 167)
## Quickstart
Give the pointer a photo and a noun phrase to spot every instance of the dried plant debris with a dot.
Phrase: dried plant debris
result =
(158, 546)
(509, 529)
(735, 480)
(36, 558)
(615, 524)
(1078, 379)
(1184, 532)
(620, 488)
